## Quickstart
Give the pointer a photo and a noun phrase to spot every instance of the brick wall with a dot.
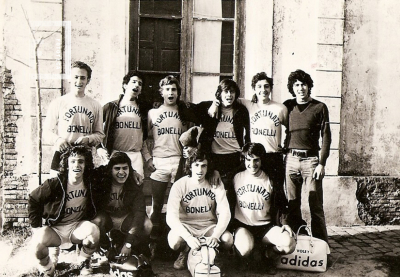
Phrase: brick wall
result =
(14, 192)
(379, 200)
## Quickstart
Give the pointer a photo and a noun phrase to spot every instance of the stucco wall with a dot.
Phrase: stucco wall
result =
(370, 138)
(99, 33)
(258, 41)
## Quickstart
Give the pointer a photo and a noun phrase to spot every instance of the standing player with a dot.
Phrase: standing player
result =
(165, 126)
(74, 118)
(305, 166)
(125, 123)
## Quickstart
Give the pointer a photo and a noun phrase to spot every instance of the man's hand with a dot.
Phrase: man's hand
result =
(319, 172)
(212, 242)
(213, 110)
(82, 141)
(287, 229)
(62, 144)
(215, 179)
(193, 243)
(125, 251)
(150, 165)
(137, 178)
(103, 154)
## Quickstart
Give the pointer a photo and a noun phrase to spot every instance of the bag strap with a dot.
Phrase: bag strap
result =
(204, 246)
(311, 236)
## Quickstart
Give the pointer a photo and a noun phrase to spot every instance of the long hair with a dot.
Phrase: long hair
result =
(227, 84)
(299, 75)
(73, 151)
(82, 65)
(199, 155)
(119, 158)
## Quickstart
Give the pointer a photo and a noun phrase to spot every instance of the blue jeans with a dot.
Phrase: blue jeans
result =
(299, 173)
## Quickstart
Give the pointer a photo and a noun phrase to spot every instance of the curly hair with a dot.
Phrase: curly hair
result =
(198, 155)
(299, 75)
(82, 65)
(227, 84)
(129, 75)
(171, 80)
(259, 77)
(74, 151)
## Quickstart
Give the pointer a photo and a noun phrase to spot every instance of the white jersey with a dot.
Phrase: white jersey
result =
(166, 126)
(76, 198)
(71, 117)
(198, 205)
(265, 123)
(253, 198)
(128, 129)
(225, 141)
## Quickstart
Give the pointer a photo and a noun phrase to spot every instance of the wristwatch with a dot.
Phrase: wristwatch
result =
(128, 245)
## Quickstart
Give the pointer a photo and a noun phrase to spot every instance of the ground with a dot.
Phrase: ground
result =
(356, 251)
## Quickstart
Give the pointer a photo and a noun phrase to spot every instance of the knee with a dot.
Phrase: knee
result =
(93, 235)
(175, 242)
(147, 227)
(287, 244)
(244, 242)
(226, 240)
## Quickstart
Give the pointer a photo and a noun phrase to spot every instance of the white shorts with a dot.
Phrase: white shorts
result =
(136, 161)
(195, 232)
(65, 233)
(166, 169)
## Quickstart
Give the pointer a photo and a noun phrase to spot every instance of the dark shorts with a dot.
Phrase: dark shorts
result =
(258, 232)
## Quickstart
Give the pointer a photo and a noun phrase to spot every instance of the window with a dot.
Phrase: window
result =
(195, 40)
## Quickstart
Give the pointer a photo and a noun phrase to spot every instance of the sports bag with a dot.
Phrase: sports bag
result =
(201, 262)
(310, 254)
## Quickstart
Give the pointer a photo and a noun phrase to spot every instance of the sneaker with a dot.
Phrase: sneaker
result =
(100, 258)
(48, 270)
(153, 248)
(86, 267)
(181, 261)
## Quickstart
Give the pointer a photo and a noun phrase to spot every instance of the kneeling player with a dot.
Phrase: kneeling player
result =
(193, 206)
(254, 224)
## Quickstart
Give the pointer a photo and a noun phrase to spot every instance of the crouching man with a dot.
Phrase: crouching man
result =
(121, 208)
(192, 209)
(253, 225)
(65, 202)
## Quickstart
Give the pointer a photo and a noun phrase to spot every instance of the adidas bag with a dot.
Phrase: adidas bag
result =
(310, 254)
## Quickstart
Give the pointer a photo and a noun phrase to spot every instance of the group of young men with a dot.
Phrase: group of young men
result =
(233, 182)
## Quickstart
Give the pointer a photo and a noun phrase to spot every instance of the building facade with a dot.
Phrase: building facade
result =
(348, 47)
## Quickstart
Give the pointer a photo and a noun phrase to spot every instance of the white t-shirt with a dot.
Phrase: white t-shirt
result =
(198, 205)
(225, 141)
(75, 205)
(128, 129)
(166, 127)
(253, 198)
(71, 117)
(265, 123)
